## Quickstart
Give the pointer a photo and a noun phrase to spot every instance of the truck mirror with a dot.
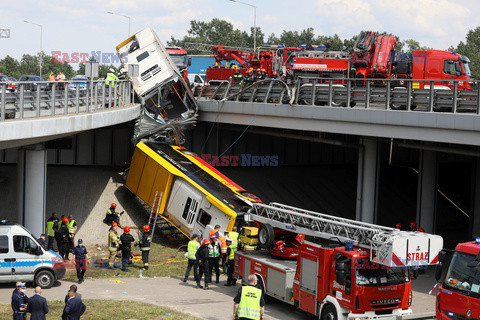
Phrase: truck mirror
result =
(340, 275)
(438, 271)
(441, 256)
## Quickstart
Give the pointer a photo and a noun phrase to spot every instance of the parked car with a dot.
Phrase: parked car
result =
(196, 79)
(33, 82)
(3, 78)
(80, 81)
(12, 85)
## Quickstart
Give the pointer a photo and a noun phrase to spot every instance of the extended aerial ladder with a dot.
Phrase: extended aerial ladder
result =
(388, 246)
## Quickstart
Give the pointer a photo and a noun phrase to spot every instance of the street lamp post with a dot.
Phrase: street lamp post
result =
(122, 15)
(254, 22)
(41, 41)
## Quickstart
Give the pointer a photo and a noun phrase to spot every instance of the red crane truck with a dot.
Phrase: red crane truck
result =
(367, 278)
(459, 294)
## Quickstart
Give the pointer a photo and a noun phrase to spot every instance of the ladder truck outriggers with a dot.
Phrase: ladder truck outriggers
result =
(362, 273)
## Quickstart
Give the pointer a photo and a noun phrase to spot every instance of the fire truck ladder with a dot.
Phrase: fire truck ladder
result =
(362, 234)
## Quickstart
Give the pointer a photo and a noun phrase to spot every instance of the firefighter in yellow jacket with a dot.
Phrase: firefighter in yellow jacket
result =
(113, 244)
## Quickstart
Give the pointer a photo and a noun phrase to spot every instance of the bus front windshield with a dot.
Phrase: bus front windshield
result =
(368, 273)
(462, 278)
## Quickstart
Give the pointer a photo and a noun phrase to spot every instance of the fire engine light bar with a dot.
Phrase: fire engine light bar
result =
(348, 246)
(477, 240)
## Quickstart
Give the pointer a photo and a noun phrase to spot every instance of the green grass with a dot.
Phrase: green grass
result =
(165, 261)
(111, 310)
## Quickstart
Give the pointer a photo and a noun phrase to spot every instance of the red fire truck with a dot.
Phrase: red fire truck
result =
(180, 58)
(366, 277)
(459, 294)
(375, 57)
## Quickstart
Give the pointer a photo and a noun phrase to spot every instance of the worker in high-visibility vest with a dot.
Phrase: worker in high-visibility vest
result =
(231, 281)
(223, 246)
(192, 248)
(50, 230)
(234, 236)
(72, 230)
(113, 245)
(249, 302)
(111, 77)
(214, 252)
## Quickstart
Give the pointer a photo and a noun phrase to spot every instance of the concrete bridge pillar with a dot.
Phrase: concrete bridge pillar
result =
(427, 190)
(367, 181)
(32, 171)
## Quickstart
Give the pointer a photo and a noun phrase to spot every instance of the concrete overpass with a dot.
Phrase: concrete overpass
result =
(30, 118)
(431, 121)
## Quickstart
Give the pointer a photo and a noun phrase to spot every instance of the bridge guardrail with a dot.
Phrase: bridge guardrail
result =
(388, 94)
(52, 98)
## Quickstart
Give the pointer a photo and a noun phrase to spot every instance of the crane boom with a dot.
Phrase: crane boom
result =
(388, 246)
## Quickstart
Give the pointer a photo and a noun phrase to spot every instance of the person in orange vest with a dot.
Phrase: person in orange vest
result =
(51, 77)
(223, 245)
(215, 232)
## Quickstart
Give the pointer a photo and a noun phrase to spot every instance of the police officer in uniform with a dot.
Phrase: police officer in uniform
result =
(249, 303)
(81, 260)
(202, 258)
(192, 248)
(145, 245)
(19, 302)
(214, 252)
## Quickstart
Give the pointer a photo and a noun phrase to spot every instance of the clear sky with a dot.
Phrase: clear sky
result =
(84, 26)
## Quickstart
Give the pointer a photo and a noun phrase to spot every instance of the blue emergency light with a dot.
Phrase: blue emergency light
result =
(477, 240)
(348, 246)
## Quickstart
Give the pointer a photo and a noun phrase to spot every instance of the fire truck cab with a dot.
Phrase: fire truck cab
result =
(440, 65)
(459, 294)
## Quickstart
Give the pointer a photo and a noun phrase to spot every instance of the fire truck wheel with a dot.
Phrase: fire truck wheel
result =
(266, 236)
(329, 313)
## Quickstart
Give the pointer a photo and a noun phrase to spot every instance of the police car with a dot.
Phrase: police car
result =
(23, 258)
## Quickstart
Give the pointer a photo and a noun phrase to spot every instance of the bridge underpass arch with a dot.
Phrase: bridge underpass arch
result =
(408, 181)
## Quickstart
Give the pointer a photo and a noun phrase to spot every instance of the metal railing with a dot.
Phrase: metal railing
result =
(388, 94)
(20, 100)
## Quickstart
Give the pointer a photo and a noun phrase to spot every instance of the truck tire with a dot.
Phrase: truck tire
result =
(329, 313)
(266, 236)
(44, 279)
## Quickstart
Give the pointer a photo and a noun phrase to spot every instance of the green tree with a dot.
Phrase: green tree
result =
(411, 45)
(470, 48)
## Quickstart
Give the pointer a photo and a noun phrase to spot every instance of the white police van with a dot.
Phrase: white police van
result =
(23, 258)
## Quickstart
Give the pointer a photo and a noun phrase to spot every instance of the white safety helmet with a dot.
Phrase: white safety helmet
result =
(111, 70)
(123, 70)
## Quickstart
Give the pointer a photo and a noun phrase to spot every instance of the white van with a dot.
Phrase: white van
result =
(22, 258)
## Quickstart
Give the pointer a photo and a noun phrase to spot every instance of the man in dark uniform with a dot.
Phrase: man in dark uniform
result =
(58, 236)
(126, 239)
(74, 308)
(214, 252)
(237, 78)
(231, 281)
(64, 239)
(19, 302)
(113, 216)
(202, 258)
(81, 260)
(145, 245)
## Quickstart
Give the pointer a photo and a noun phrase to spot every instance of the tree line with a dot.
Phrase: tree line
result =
(29, 65)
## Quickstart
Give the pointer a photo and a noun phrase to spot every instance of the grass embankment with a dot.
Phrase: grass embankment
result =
(166, 260)
(111, 310)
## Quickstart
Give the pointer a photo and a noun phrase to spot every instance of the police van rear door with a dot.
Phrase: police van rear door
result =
(5, 257)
